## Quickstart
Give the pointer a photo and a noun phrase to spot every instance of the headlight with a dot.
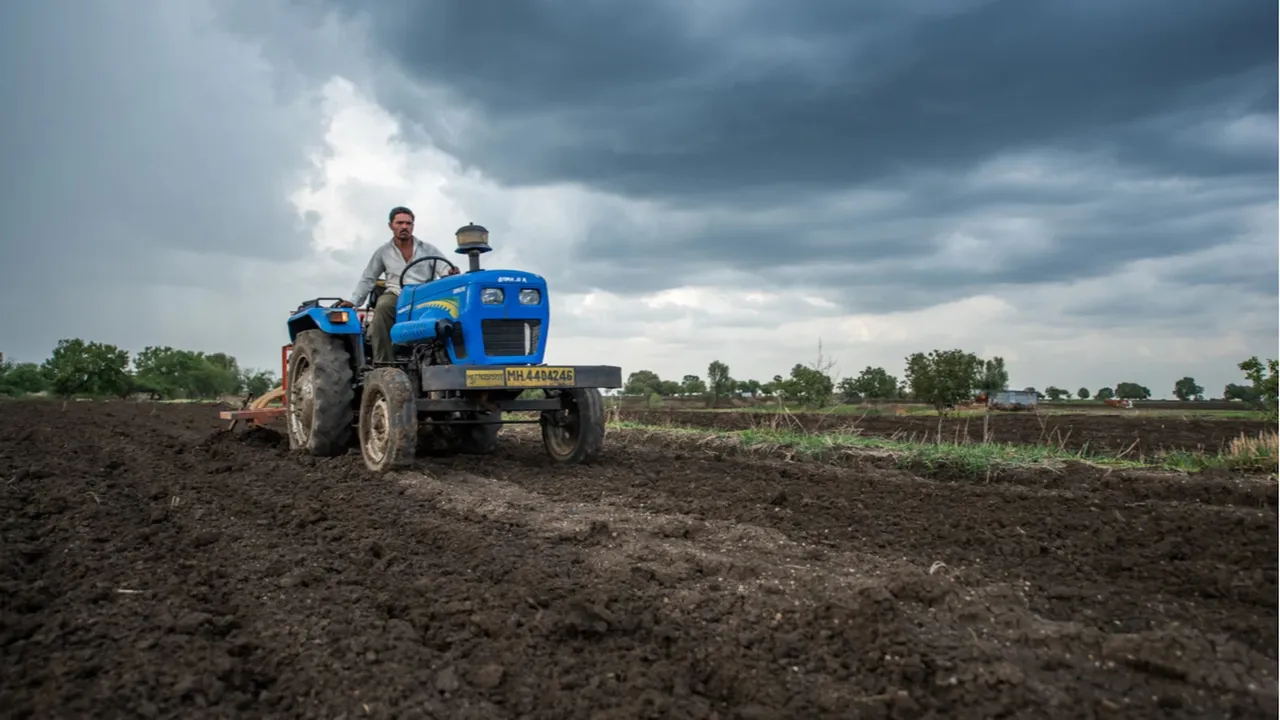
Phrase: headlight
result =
(491, 296)
(530, 296)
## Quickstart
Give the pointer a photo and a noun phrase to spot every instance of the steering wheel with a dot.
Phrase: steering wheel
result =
(424, 259)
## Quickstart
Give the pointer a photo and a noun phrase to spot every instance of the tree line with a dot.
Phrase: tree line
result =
(80, 368)
(942, 378)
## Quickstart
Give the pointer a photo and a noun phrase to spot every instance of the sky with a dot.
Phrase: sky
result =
(1085, 188)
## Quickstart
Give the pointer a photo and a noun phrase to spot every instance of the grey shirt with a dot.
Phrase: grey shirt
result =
(387, 258)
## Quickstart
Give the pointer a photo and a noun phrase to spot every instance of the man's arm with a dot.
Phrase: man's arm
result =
(374, 269)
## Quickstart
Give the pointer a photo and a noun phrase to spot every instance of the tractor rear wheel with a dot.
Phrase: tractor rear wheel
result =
(574, 434)
(320, 394)
(388, 420)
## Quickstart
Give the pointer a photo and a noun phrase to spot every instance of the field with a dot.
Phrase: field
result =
(1133, 434)
(153, 566)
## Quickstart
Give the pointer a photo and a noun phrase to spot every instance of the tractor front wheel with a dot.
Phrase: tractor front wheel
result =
(575, 433)
(320, 394)
(388, 420)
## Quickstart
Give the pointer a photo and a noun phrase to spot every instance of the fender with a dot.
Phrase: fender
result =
(332, 321)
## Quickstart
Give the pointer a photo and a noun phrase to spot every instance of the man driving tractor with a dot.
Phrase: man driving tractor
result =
(391, 259)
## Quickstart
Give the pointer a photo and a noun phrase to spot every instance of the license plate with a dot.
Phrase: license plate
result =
(540, 377)
(486, 378)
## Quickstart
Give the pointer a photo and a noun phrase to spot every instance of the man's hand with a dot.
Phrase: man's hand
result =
(452, 271)
(344, 303)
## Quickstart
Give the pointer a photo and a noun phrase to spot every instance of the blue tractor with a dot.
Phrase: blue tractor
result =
(468, 347)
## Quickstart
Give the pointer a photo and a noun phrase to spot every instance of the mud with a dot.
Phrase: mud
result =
(1132, 435)
(152, 567)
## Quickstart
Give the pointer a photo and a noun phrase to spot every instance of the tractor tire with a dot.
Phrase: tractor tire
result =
(388, 420)
(579, 437)
(479, 439)
(321, 394)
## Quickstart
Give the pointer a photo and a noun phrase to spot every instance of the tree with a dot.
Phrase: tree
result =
(169, 373)
(76, 367)
(994, 377)
(1105, 393)
(258, 383)
(91, 368)
(943, 377)
(719, 383)
(643, 382)
(848, 390)
(875, 383)
(1246, 393)
(1264, 384)
(693, 385)
(224, 362)
(751, 387)
(1132, 391)
(1083, 393)
(1055, 393)
(21, 379)
(1187, 389)
(807, 386)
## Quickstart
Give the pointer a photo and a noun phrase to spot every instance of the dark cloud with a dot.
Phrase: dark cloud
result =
(832, 146)
(673, 101)
(1092, 227)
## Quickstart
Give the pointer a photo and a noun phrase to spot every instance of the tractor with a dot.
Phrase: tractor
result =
(467, 348)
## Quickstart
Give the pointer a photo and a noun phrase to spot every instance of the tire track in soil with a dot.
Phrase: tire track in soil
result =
(1131, 553)
(280, 575)
(957, 630)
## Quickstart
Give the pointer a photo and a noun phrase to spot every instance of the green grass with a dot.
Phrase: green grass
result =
(927, 411)
(969, 458)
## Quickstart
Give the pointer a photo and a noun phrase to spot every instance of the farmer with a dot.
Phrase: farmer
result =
(391, 259)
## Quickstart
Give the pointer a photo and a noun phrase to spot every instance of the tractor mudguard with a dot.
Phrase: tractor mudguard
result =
(331, 321)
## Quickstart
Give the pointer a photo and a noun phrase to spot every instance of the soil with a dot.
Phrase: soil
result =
(153, 566)
(1132, 434)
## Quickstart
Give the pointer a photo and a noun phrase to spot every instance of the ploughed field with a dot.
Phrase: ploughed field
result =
(151, 566)
(1131, 433)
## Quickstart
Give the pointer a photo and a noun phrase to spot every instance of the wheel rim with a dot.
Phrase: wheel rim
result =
(302, 401)
(377, 429)
(562, 438)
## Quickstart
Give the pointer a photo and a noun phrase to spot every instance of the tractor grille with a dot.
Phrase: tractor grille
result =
(510, 338)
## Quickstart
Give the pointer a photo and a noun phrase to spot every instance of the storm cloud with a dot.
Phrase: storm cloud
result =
(1063, 169)
(947, 144)
(692, 102)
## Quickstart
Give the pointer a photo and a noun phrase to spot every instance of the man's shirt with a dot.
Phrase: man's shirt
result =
(387, 258)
